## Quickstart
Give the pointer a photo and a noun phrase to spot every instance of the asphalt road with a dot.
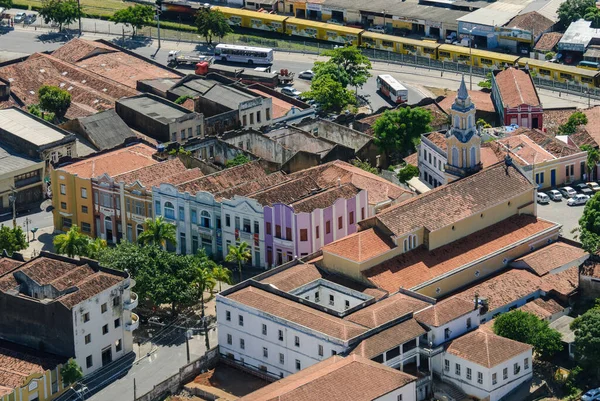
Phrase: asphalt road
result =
(559, 212)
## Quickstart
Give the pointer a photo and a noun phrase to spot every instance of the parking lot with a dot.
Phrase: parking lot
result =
(560, 213)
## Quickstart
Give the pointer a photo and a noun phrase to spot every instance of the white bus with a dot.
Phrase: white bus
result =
(392, 88)
(244, 54)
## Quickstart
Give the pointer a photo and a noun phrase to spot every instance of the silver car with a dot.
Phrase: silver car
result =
(555, 195)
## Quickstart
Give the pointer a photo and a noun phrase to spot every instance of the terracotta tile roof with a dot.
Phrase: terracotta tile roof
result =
(7, 265)
(287, 192)
(378, 189)
(445, 311)
(154, 174)
(387, 339)
(225, 179)
(335, 379)
(591, 268)
(488, 156)
(360, 246)
(581, 137)
(516, 88)
(549, 143)
(325, 199)
(543, 309)
(524, 151)
(280, 107)
(563, 283)
(387, 309)
(113, 163)
(376, 293)
(440, 117)
(85, 281)
(420, 265)
(550, 257)
(110, 63)
(189, 104)
(184, 176)
(593, 125)
(555, 117)
(369, 121)
(412, 159)
(438, 139)
(297, 313)
(90, 93)
(249, 187)
(486, 349)
(294, 277)
(533, 22)
(457, 200)
(482, 100)
(548, 41)
(18, 362)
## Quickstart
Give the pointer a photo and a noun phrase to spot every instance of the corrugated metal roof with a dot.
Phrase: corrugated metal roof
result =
(106, 129)
(25, 126)
(496, 14)
(11, 161)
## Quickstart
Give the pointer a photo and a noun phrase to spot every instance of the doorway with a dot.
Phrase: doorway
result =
(108, 228)
(535, 122)
(106, 356)
(552, 178)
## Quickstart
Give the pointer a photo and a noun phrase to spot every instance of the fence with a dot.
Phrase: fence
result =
(188, 372)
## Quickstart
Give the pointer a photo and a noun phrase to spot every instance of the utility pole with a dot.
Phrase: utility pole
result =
(158, 11)
(13, 199)
(187, 346)
(26, 226)
(134, 390)
(79, 12)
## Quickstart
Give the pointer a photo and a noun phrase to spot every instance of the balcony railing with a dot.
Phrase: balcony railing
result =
(132, 303)
(134, 324)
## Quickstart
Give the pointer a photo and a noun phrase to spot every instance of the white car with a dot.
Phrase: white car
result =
(377, 29)
(555, 195)
(542, 198)
(290, 91)
(593, 186)
(20, 17)
(308, 74)
(591, 395)
(578, 199)
(568, 192)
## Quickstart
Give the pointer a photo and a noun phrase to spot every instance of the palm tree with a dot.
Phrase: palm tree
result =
(158, 232)
(593, 158)
(94, 247)
(222, 275)
(73, 243)
(203, 281)
(239, 254)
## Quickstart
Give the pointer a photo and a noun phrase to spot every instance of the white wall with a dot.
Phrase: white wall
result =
(408, 393)
(187, 122)
(254, 339)
(431, 168)
(244, 208)
(251, 112)
(94, 326)
(457, 327)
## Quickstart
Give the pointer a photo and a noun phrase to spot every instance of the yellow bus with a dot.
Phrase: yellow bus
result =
(322, 31)
(561, 72)
(253, 19)
(398, 44)
(481, 58)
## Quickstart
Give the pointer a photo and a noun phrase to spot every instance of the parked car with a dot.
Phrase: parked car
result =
(593, 186)
(579, 199)
(30, 19)
(542, 198)
(290, 91)
(584, 189)
(591, 395)
(335, 22)
(555, 195)
(567, 192)
(20, 17)
(308, 74)
(377, 29)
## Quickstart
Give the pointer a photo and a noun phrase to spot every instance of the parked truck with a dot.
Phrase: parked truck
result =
(260, 75)
(176, 57)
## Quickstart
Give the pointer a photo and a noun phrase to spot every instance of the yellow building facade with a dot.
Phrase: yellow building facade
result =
(72, 201)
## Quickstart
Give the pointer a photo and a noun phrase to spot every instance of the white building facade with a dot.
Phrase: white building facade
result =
(243, 221)
(432, 160)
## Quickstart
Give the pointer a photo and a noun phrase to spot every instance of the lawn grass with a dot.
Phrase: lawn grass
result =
(100, 8)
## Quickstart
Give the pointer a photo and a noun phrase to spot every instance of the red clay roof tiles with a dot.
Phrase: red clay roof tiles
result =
(445, 311)
(551, 257)
(516, 88)
(389, 338)
(386, 310)
(360, 246)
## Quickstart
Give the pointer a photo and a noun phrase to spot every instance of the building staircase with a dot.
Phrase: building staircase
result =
(446, 391)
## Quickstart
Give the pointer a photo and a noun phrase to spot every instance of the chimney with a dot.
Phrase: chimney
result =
(339, 182)
(476, 301)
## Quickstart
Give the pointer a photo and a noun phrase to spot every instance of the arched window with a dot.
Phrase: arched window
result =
(473, 157)
(138, 230)
(410, 242)
(205, 219)
(470, 121)
(457, 121)
(108, 223)
(464, 157)
(454, 156)
(169, 211)
(406, 248)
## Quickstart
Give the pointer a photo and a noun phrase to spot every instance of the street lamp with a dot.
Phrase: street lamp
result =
(26, 226)
(12, 198)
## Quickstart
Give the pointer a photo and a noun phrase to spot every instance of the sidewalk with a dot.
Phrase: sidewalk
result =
(42, 242)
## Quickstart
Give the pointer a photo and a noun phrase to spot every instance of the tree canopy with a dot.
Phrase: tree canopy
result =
(329, 93)
(587, 338)
(212, 23)
(407, 172)
(397, 132)
(589, 225)
(135, 16)
(158, 232)
(573, 10)
(54, 100)
(12, 239)
(61, 12)
(593, 158)
(72, 243)
(238, 160)
(322, 68)
(575, 120)
(527, 328)
(593, 14)
(71, 372)
(352, 62)
(6, 4)
(364, 165)
(239, 254)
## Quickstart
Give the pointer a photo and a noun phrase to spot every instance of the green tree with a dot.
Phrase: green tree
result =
(12, 239)
(589, 225)
(203, 279)
(575, 120)
(487, 82)
(212, 23)
(593, 158)
(36, 111)
(353, 62)
(135, 16)
(407, 172)
(6, 4)
(364, 166)
(95, 247)
(180, 151)
(238, 160)
(549, 55)
(182, 99)
(158, 232)
(322, 68)
(397, 132)
(72, 243)
(54, 100)
(482, 123)
(239, 254)
(61, 12)
(587, 339)
(329, 93)
(71, 372)
(222, 275)
(573, 10)
(125, 256)
(527, 328)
